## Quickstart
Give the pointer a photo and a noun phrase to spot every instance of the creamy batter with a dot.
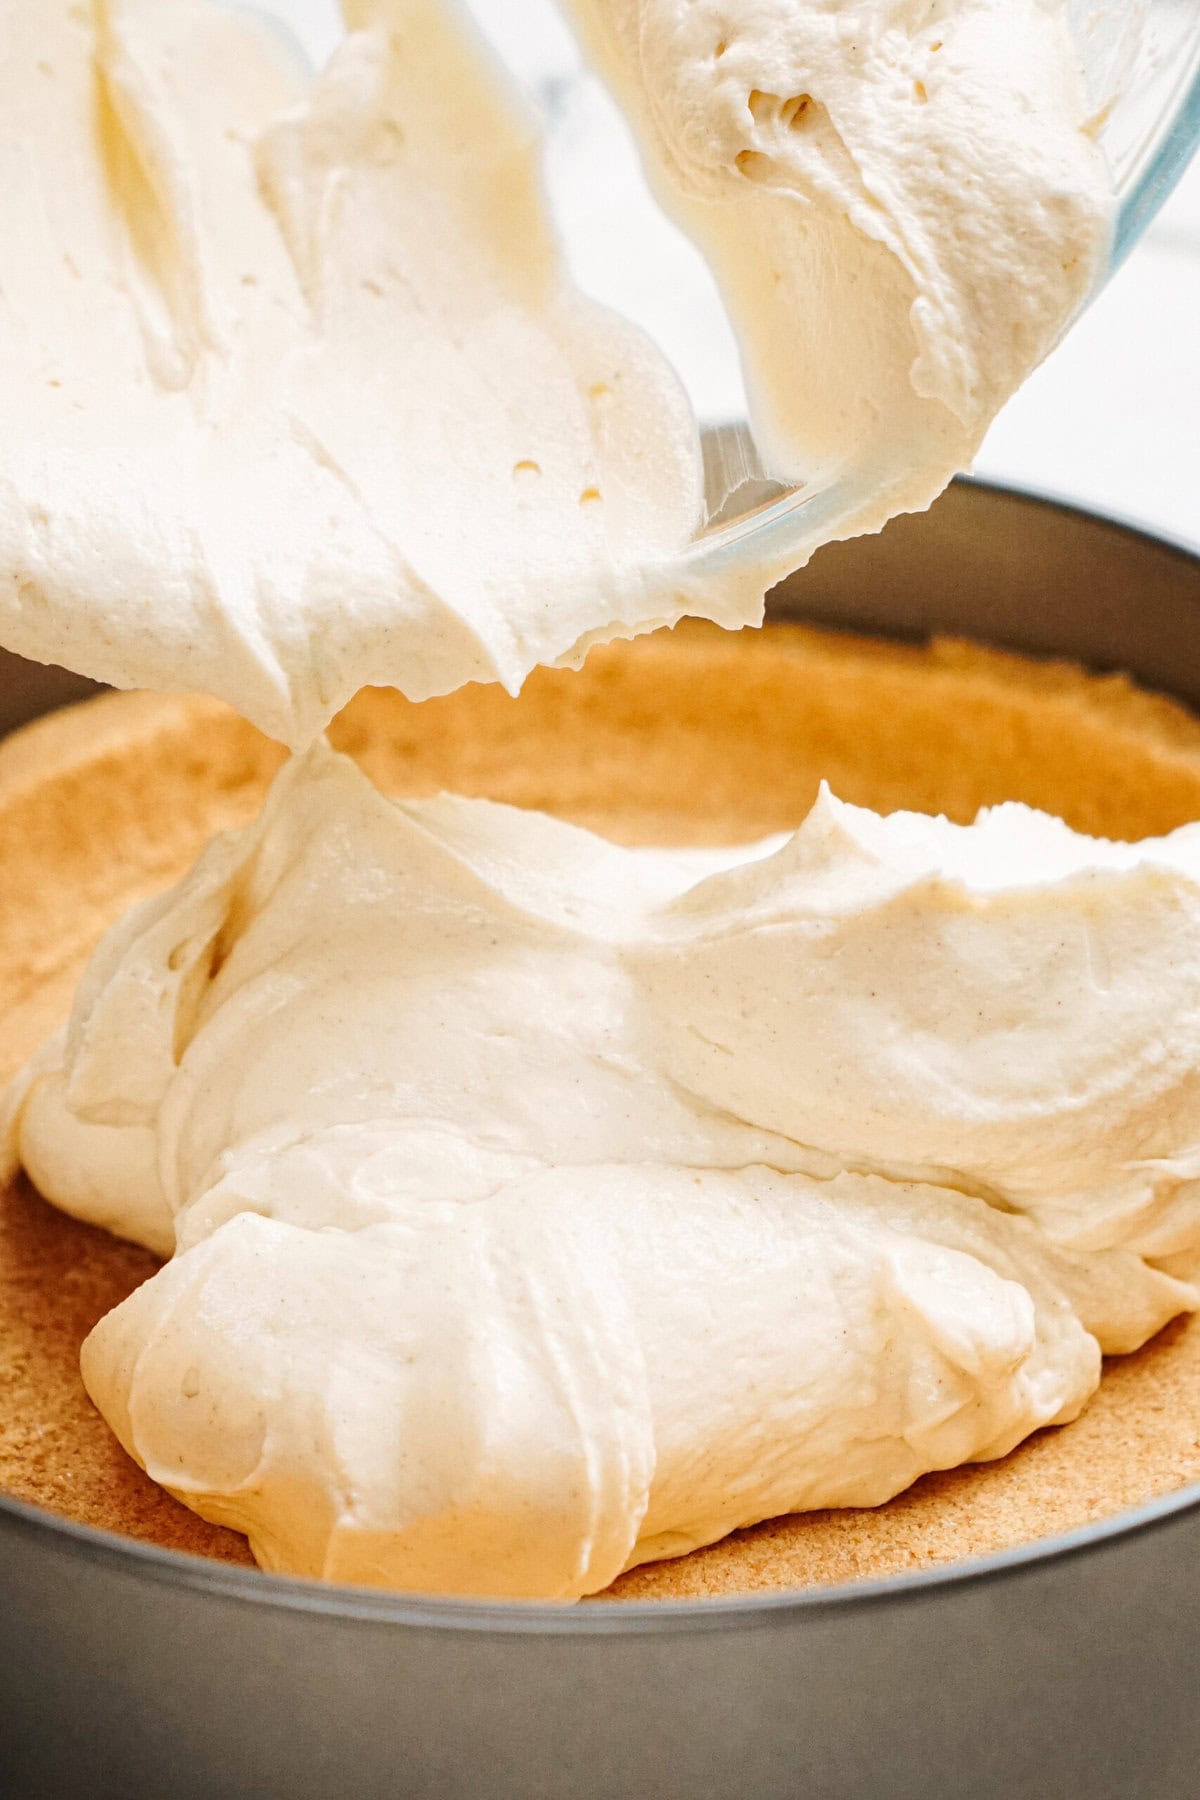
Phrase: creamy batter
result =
(901, 202)
(299, 396)
(536, 1208)
(540, 1210)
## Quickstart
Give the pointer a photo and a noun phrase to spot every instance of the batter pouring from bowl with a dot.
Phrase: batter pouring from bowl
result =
(485, 1080)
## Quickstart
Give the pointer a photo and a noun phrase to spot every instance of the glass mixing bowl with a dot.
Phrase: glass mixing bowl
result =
(1141, 60)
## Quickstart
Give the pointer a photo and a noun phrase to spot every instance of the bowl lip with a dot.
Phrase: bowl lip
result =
(381, 1607)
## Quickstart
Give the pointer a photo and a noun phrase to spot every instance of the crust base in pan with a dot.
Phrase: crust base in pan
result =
(690, 737)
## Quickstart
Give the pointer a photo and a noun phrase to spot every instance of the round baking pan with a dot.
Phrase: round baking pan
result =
(1067, 1668)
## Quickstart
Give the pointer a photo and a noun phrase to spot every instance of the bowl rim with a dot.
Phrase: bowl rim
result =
(257, 1587)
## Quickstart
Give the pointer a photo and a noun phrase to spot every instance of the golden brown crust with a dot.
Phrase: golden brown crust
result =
(688, 737)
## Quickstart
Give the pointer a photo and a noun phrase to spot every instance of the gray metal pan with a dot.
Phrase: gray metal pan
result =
(1065, 1669)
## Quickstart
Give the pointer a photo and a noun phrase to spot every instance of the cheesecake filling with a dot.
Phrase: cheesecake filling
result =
(301, 397)
(305, 397)
(539, 1207)
(536, 1207)
(902, 204)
